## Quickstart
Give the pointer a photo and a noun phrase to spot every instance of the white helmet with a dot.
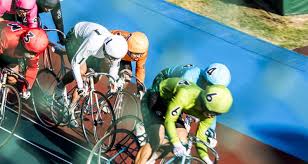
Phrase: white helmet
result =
(116, 46)
(217, 73)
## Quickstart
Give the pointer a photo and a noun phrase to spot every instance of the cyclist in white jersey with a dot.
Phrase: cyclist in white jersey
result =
(91, 45)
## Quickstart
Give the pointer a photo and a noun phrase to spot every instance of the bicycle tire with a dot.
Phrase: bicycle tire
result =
(130, 102)
(178, 160)
(127, 122)
(92, 134)
(42, 97)
(125, 152)
(17, 109)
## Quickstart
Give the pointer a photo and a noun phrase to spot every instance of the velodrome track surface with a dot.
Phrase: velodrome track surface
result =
(267, 123)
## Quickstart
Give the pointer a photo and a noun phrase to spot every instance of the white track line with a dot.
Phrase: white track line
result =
(33, 144)
(53, 132)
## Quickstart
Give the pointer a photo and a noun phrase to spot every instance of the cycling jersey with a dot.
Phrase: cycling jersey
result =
(188, 72)
(183, 96)
(87, 40)
(140, 63)
(9, 42)
(31, 17)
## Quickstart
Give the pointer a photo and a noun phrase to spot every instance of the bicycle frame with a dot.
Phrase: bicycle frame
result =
(47, 61)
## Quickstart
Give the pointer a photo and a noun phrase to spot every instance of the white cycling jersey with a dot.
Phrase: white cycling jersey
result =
(92, 36)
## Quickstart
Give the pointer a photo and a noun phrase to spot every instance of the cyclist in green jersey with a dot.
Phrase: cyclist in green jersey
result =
(161, 111)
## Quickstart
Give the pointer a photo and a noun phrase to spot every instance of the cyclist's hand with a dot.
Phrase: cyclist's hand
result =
(207, 160)
(82, 92)
(140, 94)
(120, 83)
(113, 87)
(25, 94)
(211, 137)
(212, 142)
(179, 150)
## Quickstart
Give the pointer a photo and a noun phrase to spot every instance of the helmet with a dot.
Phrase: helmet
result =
(25, 4)
(217, 98)
(47, 3)
(116, 46)
(217, 73)
(138, 42)
(35, 40)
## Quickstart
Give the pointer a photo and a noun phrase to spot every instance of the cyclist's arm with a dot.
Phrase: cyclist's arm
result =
(203, 126)
(86, 49)
(57, 18)
(140, 67)
(31, 71)
(114, 69)
(32, 17)
(174, 110)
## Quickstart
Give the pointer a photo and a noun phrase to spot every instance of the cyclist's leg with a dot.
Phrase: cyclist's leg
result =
(12, 63)
(76, 97)
(153, 125)
(71, 46)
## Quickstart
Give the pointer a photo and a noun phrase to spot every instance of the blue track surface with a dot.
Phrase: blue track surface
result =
(269, 83)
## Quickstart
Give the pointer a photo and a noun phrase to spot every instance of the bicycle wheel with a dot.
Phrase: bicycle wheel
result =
(178, 160)
(8, 119)
(127, 122)
(124, 150)
(42, 99)
(125, 103)
(96, 116)
(132, 124)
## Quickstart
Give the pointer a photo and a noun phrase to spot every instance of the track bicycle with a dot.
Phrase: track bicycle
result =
(10, 104)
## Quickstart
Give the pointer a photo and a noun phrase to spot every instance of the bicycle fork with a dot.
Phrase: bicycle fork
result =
(3, 91)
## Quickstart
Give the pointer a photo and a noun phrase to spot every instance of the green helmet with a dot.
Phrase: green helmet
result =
(217, 98)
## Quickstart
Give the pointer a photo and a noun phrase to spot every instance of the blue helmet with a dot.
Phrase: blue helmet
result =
(217, 73)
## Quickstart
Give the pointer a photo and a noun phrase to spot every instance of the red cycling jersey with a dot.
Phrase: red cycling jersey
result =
(10, 33)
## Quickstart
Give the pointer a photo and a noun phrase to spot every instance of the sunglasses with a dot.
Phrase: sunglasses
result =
(134, 55)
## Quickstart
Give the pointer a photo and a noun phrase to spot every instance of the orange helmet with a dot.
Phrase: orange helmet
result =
(138, 42)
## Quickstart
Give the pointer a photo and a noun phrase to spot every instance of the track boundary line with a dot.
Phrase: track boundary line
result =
(33, 144)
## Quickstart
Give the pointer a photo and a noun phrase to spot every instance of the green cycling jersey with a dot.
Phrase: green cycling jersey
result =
(184, 96)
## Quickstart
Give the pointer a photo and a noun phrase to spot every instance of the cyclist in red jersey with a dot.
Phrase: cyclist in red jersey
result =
(19, 43)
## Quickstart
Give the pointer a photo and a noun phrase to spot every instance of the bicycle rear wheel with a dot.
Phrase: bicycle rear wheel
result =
(8, 119)
(42, 98)
(96, 116)
(124, 150)
(125, 103)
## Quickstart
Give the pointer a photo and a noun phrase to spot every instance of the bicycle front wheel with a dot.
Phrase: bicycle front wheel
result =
(125, 103)
(96, 116)
(9, 114)
(42, 98)
(124, 150)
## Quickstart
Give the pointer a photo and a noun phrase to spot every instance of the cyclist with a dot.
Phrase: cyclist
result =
(215, 73)
(25, 9)
(17, 43)
(54, 7)
(138, 45)
(91, 44)
(161, 111)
